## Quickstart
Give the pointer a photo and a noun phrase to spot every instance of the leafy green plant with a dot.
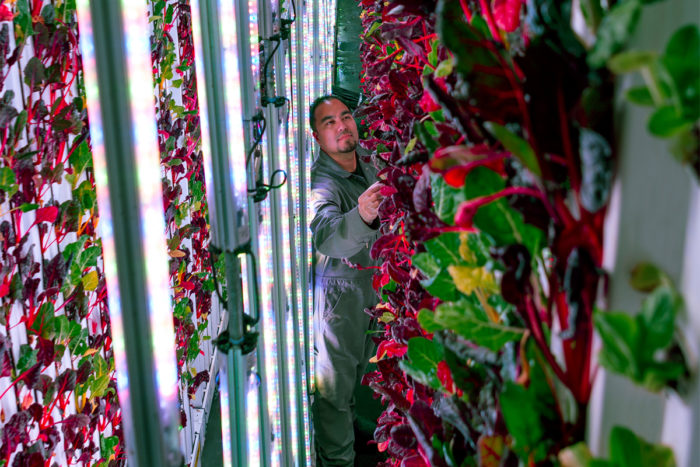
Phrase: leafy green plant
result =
(646, 348)
(626, 450)
(497, 133)
(672, 89)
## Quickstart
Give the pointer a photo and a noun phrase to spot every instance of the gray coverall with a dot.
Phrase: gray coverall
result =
(341, 344)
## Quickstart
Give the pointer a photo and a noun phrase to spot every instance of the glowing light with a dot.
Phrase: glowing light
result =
(234, 109)
(253, 414)
(153, 239)
(152, 234)
(225, 421)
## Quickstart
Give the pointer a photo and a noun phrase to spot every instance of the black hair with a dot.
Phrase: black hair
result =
(318, 101)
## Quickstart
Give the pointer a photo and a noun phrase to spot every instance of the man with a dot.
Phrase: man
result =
(345, 197)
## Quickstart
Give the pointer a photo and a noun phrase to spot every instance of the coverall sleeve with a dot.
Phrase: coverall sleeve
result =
(337, 234)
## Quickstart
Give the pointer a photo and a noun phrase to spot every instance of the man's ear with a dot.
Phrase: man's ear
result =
(315, 135)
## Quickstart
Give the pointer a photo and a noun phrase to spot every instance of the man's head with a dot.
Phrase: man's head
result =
(333, 126)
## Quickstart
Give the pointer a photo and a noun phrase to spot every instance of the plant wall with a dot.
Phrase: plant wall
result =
(185, 205)
(59, 401)
(494, 122)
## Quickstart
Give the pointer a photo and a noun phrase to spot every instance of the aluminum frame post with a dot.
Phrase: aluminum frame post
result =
(220, 97)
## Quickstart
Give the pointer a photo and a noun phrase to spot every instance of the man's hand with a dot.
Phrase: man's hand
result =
(368, 203)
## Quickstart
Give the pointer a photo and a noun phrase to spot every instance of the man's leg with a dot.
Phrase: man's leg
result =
(340, 325)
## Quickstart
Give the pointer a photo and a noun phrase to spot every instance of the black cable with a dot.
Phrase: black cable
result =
(260, 192)
(258, 137)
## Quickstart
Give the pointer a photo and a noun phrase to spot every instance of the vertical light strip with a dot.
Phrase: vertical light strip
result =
(234, 109)
(254, 42)
(105, 226)
(269, 329)
(225, 421)
(202, 100)
(252, 410)
(151, 200)
(290, 350)
(308, 153)
(301, 257)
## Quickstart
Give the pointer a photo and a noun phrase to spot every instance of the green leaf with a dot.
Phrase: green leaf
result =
(426, 319)
(629, 450)
(23, 20)
(43, 322)
(80, 158)
(620, 334)
(444, 68)
(65, 329)
(85, 195)
(7, 178)
(667, 121)
(640, 95)
(107, 444)
(78, 344)
(445, 249)
(169, 14)
(193, 347)
(434, 47)
(99, 380)
(423, 356)
(682, 61)
(523, 421)
(471, 322)
(614, 31)
(26, 207)
(592, 12)
(425, 134)
(158, 7)
(498, 219)
(100, 386)
(389, 287)
(631, 60)
(658, 318)
(516, 145)
(73, 249)
(27, 358)
(20, 123)
(658, 375)
(446, 198)
(426, 263)
(645, 277)
(85, 259)
(34, 72)
(479, 244)
(441, 286)
(48, 13)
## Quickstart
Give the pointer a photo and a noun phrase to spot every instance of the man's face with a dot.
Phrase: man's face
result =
(336, 130)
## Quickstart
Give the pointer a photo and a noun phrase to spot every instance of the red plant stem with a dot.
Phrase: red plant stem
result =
(513, 190)
(390, 55)
(538, 334)
(465, 9)
(17, 380)
(486, 12)
(424, 38)
(568, 150)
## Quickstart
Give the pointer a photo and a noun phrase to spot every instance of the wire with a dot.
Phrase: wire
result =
(258, 138)
(260, 192)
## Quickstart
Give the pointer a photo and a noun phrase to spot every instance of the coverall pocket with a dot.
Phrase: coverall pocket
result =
(332, 295)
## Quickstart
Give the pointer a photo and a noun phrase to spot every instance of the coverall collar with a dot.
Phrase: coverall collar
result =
(327, 164)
